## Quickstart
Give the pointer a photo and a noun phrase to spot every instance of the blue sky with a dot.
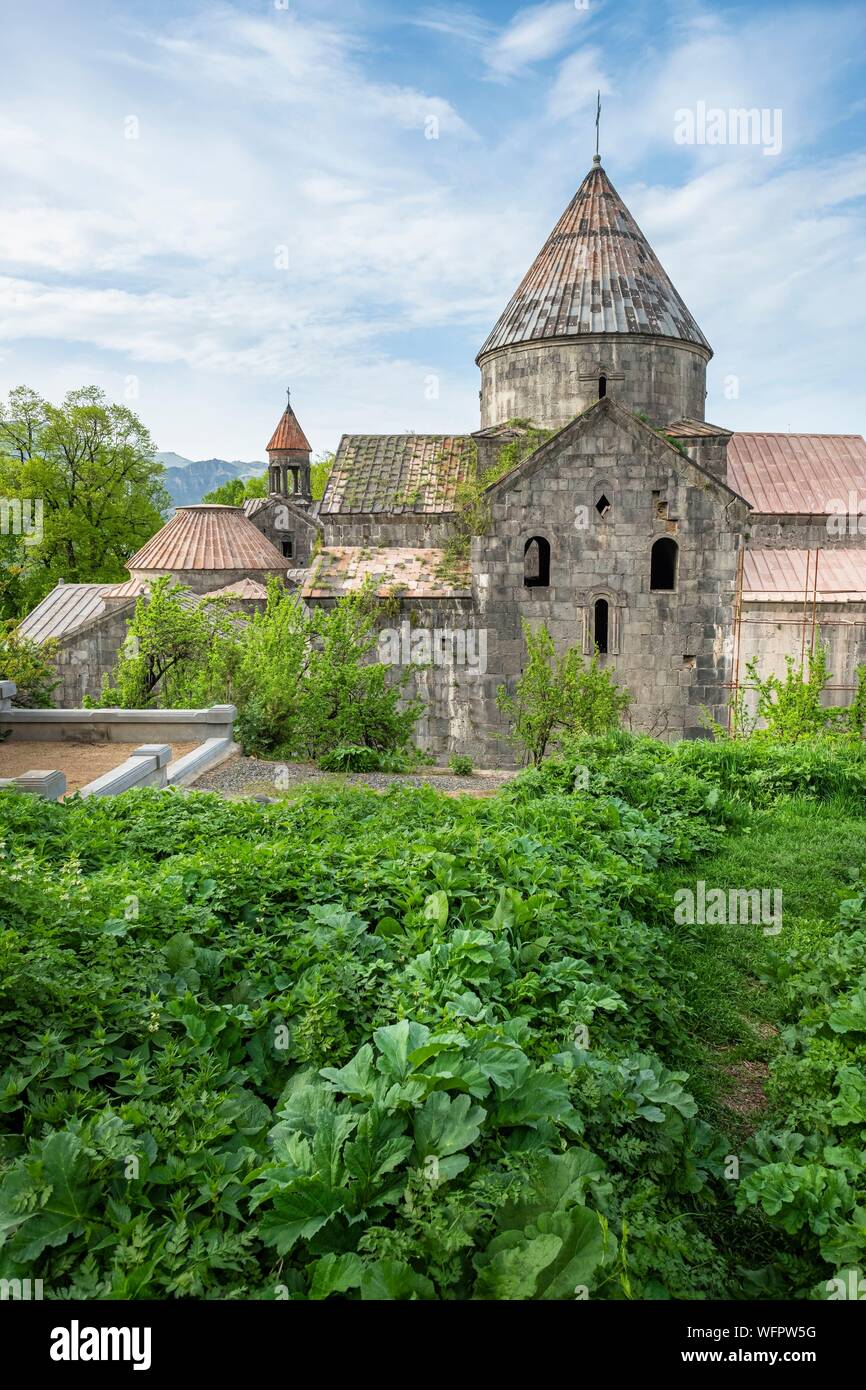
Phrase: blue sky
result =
(204, 201)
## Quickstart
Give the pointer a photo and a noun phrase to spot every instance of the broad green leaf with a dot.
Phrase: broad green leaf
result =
(70, 1202)
(446, 1124)
(396, 1042)
(394, 1279)
(335, 1274)
(513, 1263)
(299, 1211)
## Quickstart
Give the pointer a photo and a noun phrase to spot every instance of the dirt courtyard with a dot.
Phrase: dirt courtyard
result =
(81, 762)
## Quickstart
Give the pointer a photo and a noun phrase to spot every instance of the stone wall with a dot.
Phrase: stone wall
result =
(281, 521)
(90, 653)
(671, 649)
(551, 382)
(769, 631)
(804, 532)
(205, 581)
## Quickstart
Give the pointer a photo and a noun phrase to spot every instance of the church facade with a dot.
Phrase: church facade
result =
(676, 548)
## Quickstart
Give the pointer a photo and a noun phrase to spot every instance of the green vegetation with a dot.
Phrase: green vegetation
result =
(30, 665)
(91, 467)
(412, 1046)
(793, 709)
(460, 765)
(301, 681)
(472, 510)
(558, 695)
(239, 490)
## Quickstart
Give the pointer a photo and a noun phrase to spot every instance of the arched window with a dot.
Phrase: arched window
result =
(601, 623)
(602, 387)
(536, 563)
(663, 564)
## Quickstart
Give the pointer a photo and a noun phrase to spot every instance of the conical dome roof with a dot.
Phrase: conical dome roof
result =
(207, 537)
(288, 434)
(596, 273)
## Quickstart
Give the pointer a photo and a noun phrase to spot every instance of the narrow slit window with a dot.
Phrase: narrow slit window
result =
(663, 565)
(602, 387)
(601, 624)
(536, 563)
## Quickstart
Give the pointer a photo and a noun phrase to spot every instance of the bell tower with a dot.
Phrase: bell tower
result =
(289, 459)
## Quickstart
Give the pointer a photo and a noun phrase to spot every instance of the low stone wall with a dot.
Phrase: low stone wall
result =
(146, 767)
(120, 725)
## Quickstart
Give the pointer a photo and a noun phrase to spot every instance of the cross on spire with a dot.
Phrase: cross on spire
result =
(597, 159)
(288, 398)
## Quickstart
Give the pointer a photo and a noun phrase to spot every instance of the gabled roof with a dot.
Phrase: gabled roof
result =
(208, 537)
(409, 571)
(696, 429)
(241, 588)
(786, 576)
(398, 473)
(596, 273)
(288, 434)
(607, 406)
(797, 474)
(63, 610)
(254, 505)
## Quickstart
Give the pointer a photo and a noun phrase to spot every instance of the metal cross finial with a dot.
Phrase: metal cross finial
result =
(288, 397)
(597, 119)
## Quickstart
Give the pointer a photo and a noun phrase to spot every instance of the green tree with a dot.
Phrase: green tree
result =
(30, 665)
(174, 643)
(238, 490)
(90, 469)
(557, 695)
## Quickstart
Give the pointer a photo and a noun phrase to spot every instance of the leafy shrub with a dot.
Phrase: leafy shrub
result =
(357, 758)
(558, 695)
(460, 765)
(30, 665)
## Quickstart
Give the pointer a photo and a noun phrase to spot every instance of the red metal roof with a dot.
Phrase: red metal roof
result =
(799, 474)
(288, 434)
(781, 575)
(596, 273)
(208, 537)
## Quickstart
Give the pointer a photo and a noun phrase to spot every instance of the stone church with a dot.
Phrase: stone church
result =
(677, 548)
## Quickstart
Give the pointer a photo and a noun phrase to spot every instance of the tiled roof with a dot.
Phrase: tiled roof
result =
(63, 610)
(208, 537)
(288, 434)
(696, 429)
(799, 474)
(782, 576)
(406, 473)
(596, 273)
(413, 573)
(130, 588)
(241, 588)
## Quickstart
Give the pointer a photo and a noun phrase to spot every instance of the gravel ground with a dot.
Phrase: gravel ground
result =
(241, 776)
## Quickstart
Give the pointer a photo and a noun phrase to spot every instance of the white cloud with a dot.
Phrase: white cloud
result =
(532, 35)
(577, 83)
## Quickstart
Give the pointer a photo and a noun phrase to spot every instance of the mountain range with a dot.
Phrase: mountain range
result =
(188, 480)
